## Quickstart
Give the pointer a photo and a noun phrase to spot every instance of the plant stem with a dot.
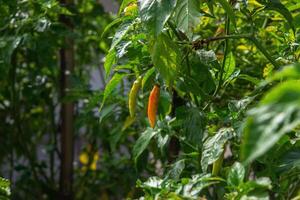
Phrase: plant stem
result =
(264, 51)
(227, 30)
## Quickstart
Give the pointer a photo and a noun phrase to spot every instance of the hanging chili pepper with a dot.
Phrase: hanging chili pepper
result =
(153, 105)
(133, 95)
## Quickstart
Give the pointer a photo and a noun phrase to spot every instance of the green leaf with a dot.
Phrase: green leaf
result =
(110, 60)
(196, 184)
(187, 15)
(193, 123)
(142, 143)
(166, 57)
(256, 196)
(277, 114)
(110, 25)
(206, 57)
(290, 161)
(236, 175)
(229, 11)
(147, 76)
(155, 13)
(213, 147)
(229, 66)
(124, 4)
(121, 32)
(4, 189)
(259, 183)
(288, 72)
(111, 85)
(176, 169)
(280, 8)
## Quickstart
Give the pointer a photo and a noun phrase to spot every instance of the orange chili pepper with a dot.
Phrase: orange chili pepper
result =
(153, 105)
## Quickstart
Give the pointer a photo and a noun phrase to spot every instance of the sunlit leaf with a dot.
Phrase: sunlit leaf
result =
(142, 143)
(187, 15)
(236, 175)
(155, 13)
(229, 66)
(213, 146)
(166, 57)
(110, 60)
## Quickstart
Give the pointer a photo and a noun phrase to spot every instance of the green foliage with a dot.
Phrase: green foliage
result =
(228, 120)
(155, 13)
(231, 104)
(277, 115)
(4, 189)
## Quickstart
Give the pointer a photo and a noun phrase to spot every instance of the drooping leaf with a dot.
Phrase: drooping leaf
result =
(280, 8)
(277, 114)
(110, 25)
(111, 85)
(213, 147)
(155, 13)
(166, 57)
(142, 143)
(147, 76)
(187, 15)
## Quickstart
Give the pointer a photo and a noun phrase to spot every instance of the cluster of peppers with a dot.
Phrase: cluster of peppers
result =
(152, 102)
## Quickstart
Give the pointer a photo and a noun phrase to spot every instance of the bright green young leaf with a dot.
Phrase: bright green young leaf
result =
(4, 189)
(142, 143)
(187, 15)
(278, 113)
(213, 147)
(110, 60)
(229, 66)
(236, 175)
(124, 4)
(166, 57)
(155, 13)
(229, 10)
